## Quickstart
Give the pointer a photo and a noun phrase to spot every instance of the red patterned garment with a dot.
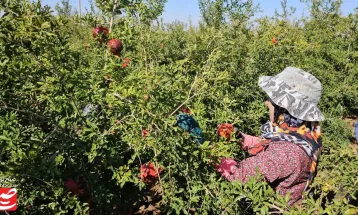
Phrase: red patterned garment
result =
(284, 165)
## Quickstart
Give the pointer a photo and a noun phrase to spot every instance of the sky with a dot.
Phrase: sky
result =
(183, 10)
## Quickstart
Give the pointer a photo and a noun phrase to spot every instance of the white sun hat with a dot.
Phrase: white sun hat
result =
(296, 91)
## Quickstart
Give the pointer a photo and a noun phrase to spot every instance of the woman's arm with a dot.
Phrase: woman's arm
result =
(232, 171)
(270, 164)
(248, 141)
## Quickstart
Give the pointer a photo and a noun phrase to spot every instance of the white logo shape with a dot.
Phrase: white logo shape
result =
(6, 196)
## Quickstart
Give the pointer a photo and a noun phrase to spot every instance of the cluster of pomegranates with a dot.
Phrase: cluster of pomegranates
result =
(114, 45)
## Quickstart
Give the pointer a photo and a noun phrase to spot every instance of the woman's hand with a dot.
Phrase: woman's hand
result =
(225, 167)
(271, 110)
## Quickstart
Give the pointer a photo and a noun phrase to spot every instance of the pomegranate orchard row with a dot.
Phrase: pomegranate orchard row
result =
(136, 122)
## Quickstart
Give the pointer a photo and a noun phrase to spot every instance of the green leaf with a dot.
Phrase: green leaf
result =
(2, 137)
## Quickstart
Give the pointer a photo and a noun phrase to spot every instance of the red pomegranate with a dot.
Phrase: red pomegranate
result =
(145, 133)
(73, 187)
(274, 40)
(149, 174)
(225, 130)
(100, 33)
(115, 46)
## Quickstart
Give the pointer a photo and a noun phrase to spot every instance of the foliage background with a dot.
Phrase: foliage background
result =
(51, 68)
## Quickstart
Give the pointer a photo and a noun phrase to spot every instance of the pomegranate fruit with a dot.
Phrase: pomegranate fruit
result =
(225, 130)
(115, 46)
(100, 33)
(145, 133)
(274, 41)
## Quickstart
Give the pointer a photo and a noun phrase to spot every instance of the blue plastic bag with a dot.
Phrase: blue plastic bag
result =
(189, 124)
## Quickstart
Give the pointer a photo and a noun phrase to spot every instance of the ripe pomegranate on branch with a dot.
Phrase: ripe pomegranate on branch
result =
(100, 33)
(115, 46)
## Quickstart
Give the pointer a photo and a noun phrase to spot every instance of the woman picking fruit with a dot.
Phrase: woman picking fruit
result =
(287, 152)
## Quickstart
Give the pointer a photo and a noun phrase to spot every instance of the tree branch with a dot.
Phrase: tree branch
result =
(112, 18)
(189, 97)
(22, 111)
